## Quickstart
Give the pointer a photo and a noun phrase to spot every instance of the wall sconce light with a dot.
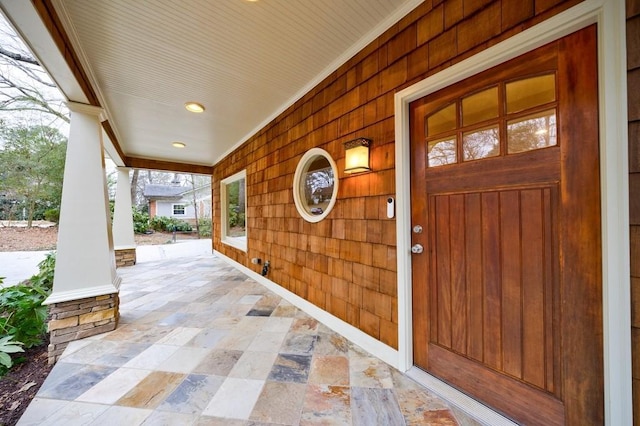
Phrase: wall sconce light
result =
(357, 156)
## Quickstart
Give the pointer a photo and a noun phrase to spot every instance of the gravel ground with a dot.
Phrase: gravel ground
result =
(42, 239)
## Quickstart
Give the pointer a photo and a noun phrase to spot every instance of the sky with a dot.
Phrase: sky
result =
(11, 42)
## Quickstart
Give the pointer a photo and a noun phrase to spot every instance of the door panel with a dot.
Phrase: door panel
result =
(510, 234)
(507, 297)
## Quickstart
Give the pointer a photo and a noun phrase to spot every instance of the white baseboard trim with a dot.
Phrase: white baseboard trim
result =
(375, 347)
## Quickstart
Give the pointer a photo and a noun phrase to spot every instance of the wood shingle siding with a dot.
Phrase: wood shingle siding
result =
(346, 264)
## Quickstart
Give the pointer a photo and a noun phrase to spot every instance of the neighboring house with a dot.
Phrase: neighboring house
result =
(177, 201)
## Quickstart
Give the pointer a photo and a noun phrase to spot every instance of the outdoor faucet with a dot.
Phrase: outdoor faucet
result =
(265, 269)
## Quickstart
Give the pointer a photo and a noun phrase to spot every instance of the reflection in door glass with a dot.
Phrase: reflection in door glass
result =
(317, 186)
(530, 92)
(443, 120)
(532, 132)
(481, 144)
(480, 107)
(442, 151)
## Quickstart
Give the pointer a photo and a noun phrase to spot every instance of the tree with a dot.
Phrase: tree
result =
(134, 186)
(26, 90)
(32, 166)
(197, 182)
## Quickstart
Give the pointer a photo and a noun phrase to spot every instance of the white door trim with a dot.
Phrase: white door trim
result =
(610, 18)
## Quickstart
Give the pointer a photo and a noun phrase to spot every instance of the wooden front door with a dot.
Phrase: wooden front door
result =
(507, 303)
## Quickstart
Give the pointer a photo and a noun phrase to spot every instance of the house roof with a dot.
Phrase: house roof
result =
(170, 191)
(246, 62)
(164, 191)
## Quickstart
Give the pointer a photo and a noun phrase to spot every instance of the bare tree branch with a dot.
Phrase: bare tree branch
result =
(27, 98)
(19, 57)
(24, 84)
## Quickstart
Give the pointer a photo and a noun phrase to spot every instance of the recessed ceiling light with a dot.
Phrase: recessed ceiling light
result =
(178, 145)
(194, 107)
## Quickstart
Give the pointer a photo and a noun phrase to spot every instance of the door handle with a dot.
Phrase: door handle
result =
(417, 249)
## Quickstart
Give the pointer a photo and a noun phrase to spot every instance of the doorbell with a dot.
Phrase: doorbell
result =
(391, 207)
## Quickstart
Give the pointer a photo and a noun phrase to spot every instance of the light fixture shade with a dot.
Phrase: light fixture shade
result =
(194, 107)
(357, 156)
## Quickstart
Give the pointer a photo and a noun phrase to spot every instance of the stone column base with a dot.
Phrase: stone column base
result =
(76, 319)
(125, 257)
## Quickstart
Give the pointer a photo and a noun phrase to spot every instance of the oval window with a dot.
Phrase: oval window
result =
(315, 185)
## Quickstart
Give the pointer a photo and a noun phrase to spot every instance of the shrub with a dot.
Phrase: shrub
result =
(169, 224)
(180, 225)
(8, 346)
(52, 215)
(44, 278)
(205, 227)
(140, 221)
(236, 218)
(159, 223)
(22, 314)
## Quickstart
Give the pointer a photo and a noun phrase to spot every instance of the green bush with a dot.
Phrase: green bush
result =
(179, 225)
(22, 314)
(236, 218)
(8, 346)
(52, 215)
(169, 224)
(205, 227)
(44, 278)
(233, 218)
(140, 221)
(159, 223)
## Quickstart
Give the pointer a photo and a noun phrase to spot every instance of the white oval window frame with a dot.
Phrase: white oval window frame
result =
(302, 167)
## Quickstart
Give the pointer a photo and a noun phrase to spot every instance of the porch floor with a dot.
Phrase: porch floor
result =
(200, 343)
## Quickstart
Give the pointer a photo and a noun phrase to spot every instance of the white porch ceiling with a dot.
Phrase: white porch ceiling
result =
(244, 61)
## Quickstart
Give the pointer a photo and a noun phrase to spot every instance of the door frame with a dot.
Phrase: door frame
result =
(616, 282)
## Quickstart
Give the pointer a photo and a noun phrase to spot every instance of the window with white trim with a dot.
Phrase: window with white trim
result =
(178, 209)
(233, 208)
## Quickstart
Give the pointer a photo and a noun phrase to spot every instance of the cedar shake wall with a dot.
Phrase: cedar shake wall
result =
(346, 264)
(633, 81)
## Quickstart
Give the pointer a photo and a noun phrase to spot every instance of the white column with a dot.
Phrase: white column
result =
(85, 261)
(122, 217)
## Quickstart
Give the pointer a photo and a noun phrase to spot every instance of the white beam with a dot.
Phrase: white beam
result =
(122, 216)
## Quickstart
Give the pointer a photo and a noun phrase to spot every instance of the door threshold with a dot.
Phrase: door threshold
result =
(478, 411)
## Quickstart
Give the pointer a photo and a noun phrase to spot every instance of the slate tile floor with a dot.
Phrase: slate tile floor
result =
(199, 343)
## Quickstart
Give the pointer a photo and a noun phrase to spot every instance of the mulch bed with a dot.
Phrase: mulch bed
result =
(28, 239)
(20, 385)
